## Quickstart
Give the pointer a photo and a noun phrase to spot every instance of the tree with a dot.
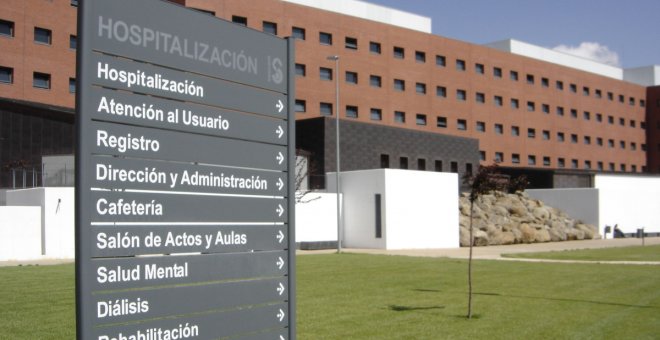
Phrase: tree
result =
(486, 180)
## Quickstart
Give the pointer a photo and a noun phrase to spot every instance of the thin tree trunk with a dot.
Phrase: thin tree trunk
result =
(469, 315)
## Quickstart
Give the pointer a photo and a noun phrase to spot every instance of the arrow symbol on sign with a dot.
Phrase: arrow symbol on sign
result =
(279, 210)
(280, 184)
(281, 289)
(280, 315)
(280, 236)
(279, 158)
(279, 106)
(279, 132)
(280, 263)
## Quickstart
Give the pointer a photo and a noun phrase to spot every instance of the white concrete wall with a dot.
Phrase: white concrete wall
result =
(316, 220)
(419, 208)
(645, 75)
(630, 201)
(57, 218)
(20, 233)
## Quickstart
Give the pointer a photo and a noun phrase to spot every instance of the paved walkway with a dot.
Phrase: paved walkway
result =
(495, 252)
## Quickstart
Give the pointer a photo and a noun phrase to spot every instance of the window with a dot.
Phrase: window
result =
(298, 33)
(384, 161)
(585, 91)
(351, 77)
(453, 166)
(72, 85)
(6, 28)
(531, 133)
(513, 75)
(561, 163)
(545, 82)
(301, 105)
(599, 94)
(622, 144)
(610, 119)
(460, 65)
(399, 52)
(497, 72)
(531, 160)
(587, 140)
(403, 162)
(420, 88)
(610, 143)
(420, 57)
(560, 111)
(530, 79)
(420, 119)
(461, 95)
(41, 80)
(481, 127)
(461, 124)
(376, 114)
(211, 13)
(546, 135)
(573, 113)
(325, 73)
(399, 116)
(421, 164)
(480, 97)
(599, 117)
(239, 20)
(301, 70)
(515, 158)
(545, 108)
(441, 122)
(438, 165)
(499, 157)
(375, 81)
(633, 146)
(43, 36)
(586, 115)
(574, 138)
(326, 109)
(631, 101)
(546, 161)
(351, 111)
(325, 38)
(374, 47)
(499, 129)
(531, 107)
(73, 42)
(399, 85)
(559, 85)
(573, 88)
(515, 131)
(440, 60)
(642, 103)
(632, 123)
(74, 3)
(574, 163)
(600, 166)
(468, 169)
(599, 141)
(611, 166)
(441, 91)
(6, 75)
(479, 68)
(351, 43)
(270, 27)
(610, 96)
(560, 136)
(514, 103)
(622, 121)
(498, 100)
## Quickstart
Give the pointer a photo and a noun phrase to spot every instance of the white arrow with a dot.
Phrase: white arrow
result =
(280, 315)
(279, 158)
(279, 210)
(280, 263)
(279, 132)
(280, 184)
(279, 106)
(281, 289)
(280, 236)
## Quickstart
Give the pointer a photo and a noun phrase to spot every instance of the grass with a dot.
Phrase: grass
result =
(349, 296)
(636, 253)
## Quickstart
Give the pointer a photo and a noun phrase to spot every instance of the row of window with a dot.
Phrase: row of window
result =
(422, 164)
(461, 95)
(560, 162)
(41, 35)
(39, 80)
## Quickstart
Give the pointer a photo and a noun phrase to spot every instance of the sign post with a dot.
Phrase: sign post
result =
(184, 183)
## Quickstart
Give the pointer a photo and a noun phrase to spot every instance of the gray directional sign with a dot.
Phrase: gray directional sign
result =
(184, 189)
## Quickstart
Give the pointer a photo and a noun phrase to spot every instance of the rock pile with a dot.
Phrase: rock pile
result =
(516, 218)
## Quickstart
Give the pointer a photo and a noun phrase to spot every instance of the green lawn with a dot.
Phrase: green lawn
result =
(637, 253)
(351, 296)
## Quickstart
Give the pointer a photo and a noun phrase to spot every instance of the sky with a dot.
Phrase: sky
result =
(623, 33)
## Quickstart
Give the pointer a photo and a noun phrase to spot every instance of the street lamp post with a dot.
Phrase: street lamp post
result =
(335, 58)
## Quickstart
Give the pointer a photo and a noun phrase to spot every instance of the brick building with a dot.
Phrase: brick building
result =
(531, 109)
